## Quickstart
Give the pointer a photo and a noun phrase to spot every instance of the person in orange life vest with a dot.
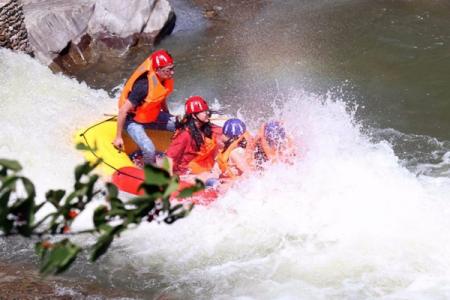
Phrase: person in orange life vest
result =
(193, 147)
(231, 158)
(270, 145)
(142, 103)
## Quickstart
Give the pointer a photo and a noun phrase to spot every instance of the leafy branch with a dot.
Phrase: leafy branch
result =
(18, 210)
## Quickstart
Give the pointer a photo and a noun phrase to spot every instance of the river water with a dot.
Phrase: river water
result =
(363, 212)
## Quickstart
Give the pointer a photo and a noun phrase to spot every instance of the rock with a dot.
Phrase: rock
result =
(161, 13)
(58, 27)
(53, 24)
(128, 20)
(210, 13)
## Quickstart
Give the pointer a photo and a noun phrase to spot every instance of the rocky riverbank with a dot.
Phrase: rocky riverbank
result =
(22, 281)
(61, 33)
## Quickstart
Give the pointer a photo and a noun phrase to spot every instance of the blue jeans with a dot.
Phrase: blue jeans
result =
(136, 131)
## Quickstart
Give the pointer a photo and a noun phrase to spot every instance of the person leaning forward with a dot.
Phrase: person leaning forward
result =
(142, 104)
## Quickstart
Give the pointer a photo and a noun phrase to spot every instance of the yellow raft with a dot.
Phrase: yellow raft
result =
(118, 166)
(99, 138)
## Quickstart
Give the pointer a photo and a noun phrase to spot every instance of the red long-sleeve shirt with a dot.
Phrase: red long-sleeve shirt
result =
(182, 149)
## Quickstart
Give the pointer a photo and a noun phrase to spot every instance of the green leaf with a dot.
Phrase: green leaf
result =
(151, 191)
(85, 169)
(41, 248)
(100, 216)
(82, 147)
(156, 176)
(138, 200)
(112, 190)
(86, 147)
(4, 199)
(59, 257)
(54, 197)
(81, 170)
(105, 228)
(116, 212)
(27, 215)
(23, 209)
(104, 241)
(172, 187)
(12, 165)
(80, 192)
(166, 164)
(90, 193)
(101, 246)
(165, 204)
(175, 208)
(29, 187)
(116, 203)
(174, 215)
(9, 183)
(187, 192)
(6, 225)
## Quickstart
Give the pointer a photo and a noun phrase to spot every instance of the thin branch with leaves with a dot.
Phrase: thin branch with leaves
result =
(18, 210)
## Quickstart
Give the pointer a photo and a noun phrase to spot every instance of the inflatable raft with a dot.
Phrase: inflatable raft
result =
(118, 165)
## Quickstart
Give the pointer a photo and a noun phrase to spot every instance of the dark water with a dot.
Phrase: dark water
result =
(391, 57)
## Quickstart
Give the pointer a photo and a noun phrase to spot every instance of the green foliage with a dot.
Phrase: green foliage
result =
(57, 257)
(18, 209)
(16, 215)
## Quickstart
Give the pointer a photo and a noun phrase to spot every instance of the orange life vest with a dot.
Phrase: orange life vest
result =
(224, 157)
(157, 93)
(260, 144)
(204, 161)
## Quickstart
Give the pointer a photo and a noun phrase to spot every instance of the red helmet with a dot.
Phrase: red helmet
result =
(195, 104)
(161, 58)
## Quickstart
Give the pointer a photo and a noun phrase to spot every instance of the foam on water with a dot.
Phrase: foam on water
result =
(39, 115)
(346, 220)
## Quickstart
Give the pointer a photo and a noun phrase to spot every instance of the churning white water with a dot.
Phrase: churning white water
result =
(345, 221)
(39, 115)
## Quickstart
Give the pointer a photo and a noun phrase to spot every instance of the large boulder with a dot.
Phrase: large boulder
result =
(128, 21)
(56, 26)
(53, 24)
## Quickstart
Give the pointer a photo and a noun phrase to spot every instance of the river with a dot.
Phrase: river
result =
(363, 213)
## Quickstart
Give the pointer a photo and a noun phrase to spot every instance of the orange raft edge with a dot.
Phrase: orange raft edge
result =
(129, 179)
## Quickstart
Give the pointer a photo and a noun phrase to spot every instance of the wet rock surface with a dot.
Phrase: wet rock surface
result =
(68, 32)
(22, 281)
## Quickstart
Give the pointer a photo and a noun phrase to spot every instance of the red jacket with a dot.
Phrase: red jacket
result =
(182, 149)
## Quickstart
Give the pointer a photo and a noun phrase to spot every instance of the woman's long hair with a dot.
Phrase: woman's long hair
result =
(197, 134)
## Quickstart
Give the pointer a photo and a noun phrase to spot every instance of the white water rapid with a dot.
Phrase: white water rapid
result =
(346, 221)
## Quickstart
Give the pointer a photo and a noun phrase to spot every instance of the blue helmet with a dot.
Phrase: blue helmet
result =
(233, 128)
(274, 133)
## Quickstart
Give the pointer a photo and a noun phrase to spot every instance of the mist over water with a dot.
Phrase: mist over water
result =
(39, 115)
(346, 220)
